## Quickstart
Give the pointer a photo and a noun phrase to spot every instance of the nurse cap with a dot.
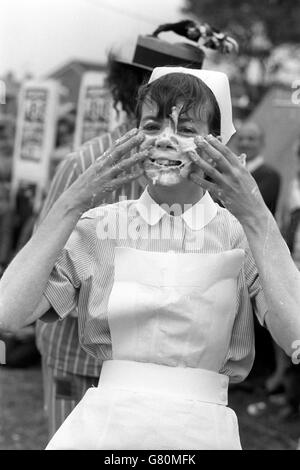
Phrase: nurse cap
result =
(151, 51)
(218, 83)
(148, 52)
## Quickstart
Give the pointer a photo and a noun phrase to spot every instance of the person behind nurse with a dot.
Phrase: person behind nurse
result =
(251, 141)
(171, 120)
(67, 369)
(218, 329)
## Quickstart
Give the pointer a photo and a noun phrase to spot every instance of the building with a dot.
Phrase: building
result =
(278, 114)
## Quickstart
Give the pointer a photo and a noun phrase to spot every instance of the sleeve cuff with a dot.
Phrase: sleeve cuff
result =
(260, 306)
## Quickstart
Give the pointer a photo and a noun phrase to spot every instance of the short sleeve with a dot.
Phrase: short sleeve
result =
(62, 286)
(257, 297)
(71, 267)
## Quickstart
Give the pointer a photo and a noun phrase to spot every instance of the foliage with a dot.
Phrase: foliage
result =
(280, 18)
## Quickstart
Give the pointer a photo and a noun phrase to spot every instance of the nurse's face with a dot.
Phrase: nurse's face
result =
(169, 139)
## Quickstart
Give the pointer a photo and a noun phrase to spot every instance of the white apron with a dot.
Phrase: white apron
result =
(170, 317)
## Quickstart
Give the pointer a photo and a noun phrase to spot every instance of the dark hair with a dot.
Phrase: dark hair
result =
(169, 89)
(124, 81)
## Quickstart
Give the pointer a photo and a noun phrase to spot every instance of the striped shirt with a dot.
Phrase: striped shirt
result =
(83, 275)
(58, 342)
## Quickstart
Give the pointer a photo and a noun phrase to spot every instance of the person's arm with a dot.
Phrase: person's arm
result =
(25, 279)
(279, 277)
(67, 172)
(77, 162)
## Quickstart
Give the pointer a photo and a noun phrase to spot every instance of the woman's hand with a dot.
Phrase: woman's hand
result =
(231, 183)
(111, 170)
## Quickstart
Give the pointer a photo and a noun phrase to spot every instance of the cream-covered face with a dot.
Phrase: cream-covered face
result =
(169, 139)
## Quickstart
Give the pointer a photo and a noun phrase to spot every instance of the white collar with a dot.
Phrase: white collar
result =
(255, 163)
(196, 217)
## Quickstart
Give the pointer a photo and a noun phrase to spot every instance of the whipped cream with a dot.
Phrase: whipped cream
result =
(156, 167)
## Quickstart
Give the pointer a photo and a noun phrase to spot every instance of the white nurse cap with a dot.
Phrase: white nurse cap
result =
(218, 83)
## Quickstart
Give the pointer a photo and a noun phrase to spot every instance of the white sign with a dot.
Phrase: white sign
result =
(35, 134)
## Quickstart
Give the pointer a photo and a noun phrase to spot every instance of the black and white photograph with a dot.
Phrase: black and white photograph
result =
(150, 227)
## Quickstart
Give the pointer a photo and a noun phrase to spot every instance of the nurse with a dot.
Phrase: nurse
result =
(165, 286)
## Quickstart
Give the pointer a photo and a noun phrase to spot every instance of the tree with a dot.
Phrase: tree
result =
(280, 18)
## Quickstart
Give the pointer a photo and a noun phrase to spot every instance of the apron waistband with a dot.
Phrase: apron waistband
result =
(182, 382)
